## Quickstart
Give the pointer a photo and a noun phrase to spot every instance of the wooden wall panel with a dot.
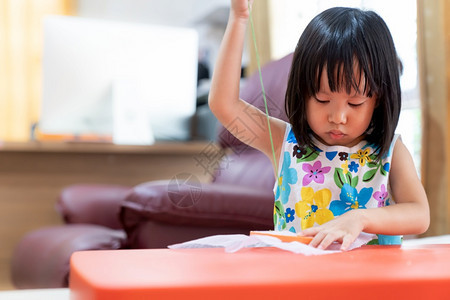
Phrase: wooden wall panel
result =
(446, 12)
(20, 61)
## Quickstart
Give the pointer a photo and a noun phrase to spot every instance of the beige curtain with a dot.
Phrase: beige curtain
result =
(434, 62)
(20, 63)
(261, 16)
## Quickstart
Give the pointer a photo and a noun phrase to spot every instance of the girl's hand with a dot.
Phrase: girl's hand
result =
(344, 229)
(239, 8)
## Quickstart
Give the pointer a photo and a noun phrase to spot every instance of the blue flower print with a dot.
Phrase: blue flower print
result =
(388, 202)
(389, 153)
(287, 177)
(291, 137)
(386, 167)
(353, 167)
(281, 225)
(350, 199)
(289, 215)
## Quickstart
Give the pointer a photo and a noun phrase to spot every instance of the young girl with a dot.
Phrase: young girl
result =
(340, 169)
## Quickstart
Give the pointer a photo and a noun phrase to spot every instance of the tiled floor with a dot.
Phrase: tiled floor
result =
(44, 294)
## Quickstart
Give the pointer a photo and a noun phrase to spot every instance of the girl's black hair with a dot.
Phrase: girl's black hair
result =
(336, 41)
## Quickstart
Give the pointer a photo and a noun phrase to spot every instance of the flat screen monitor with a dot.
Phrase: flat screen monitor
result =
(119, 79)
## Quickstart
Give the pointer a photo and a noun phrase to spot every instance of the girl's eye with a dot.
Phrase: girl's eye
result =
(355, 104)
(321, 101)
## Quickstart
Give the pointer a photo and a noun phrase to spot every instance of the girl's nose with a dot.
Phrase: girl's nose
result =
(337, 115)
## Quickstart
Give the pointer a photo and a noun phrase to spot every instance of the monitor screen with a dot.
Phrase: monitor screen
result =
(120, 79)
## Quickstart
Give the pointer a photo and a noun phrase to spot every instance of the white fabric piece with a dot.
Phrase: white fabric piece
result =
(234, 242)
(436, 240)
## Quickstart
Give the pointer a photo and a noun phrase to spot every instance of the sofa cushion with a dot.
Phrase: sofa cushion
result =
(222, 206)
(251, 168)
(152, 234)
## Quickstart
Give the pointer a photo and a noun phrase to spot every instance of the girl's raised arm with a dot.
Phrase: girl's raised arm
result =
(235, 114)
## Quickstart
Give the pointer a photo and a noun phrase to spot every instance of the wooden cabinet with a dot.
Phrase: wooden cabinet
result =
(33, 174)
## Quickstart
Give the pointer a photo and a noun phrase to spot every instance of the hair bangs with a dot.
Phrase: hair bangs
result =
(347, 65)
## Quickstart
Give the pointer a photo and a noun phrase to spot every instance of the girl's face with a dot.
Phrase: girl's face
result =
(339, 118)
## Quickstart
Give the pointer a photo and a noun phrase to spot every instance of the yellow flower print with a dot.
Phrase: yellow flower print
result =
(363, 156)
(344, 167)
(355, 205)
(280, 182)
(313, 208)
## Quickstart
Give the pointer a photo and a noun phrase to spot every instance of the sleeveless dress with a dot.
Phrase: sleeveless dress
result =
(314, 187)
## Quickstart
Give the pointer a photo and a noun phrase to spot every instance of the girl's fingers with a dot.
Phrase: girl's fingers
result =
(327, 241)
(324, 237)
(346, 242)
(317, 240)
(309, 232)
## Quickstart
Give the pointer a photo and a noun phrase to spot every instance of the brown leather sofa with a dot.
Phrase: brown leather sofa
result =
(239, 199)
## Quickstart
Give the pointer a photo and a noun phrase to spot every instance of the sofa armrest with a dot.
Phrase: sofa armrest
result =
(97, 204)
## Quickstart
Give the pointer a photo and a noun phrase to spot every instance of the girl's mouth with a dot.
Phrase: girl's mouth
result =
(336, 134)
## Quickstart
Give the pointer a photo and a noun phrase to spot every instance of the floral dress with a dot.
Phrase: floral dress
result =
(313, 187)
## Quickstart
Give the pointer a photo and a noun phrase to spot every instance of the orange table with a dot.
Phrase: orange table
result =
(371, 272)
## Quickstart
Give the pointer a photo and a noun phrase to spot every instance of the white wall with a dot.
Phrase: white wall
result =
(168, 12)
(208, 17)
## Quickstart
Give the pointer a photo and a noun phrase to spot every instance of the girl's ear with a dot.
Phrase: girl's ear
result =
(371, 127)
(377, 101)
